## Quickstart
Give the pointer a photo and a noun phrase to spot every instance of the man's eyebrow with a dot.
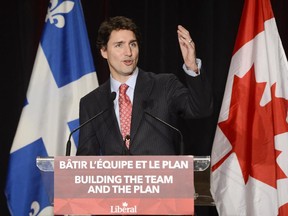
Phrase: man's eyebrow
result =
(117, 42)
(121, 42)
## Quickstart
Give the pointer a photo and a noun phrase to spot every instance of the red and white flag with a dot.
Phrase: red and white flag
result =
(250, 151)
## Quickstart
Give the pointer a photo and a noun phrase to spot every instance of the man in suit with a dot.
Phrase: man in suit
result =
(156, 100)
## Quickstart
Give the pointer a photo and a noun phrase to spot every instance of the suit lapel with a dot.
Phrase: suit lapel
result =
(142, 91)
(111, 122)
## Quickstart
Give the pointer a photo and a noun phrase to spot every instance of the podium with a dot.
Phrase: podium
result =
(202, 196)
(202, 170)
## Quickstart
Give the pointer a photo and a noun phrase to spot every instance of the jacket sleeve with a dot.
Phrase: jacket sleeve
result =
(193, 100)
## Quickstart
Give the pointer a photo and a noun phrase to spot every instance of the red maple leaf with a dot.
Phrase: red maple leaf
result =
(251, 128)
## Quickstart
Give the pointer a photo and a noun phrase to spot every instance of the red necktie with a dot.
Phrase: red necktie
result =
(125, 111)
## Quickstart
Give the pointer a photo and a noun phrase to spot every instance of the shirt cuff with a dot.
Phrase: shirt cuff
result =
(191, 72)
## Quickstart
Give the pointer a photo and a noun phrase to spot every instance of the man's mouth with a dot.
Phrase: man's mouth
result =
(128, 62)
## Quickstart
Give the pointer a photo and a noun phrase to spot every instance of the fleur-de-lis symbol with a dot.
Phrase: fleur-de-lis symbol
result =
(35, 210)
(55, 12)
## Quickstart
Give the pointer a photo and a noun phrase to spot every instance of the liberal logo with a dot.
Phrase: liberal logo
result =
(125, 208)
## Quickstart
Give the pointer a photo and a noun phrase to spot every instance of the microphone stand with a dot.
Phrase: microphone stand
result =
(68, 144)
(174, 128)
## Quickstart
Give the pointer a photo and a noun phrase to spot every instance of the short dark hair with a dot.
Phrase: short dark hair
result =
(116, 23)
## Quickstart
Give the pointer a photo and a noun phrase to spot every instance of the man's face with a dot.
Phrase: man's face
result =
(122, 54)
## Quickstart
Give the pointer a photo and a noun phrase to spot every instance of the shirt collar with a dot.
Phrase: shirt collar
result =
(131, 82)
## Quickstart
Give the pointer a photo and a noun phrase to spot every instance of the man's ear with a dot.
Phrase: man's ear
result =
(104, 52)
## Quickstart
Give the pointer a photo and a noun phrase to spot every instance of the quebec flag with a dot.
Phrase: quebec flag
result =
(63, 72)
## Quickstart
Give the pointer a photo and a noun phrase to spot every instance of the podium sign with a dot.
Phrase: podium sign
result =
(111, 185)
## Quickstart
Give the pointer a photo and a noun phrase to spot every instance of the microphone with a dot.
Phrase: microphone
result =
(68, 145)
(172, 127)
(126, 150)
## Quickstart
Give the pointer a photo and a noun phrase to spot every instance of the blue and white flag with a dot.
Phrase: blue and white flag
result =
(63, 72)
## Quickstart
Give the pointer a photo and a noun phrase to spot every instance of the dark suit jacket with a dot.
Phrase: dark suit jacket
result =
(161, 95)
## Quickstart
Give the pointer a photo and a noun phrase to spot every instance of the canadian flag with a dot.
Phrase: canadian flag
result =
(249, 159)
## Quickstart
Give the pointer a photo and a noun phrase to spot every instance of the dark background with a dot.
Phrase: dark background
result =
(213, 25)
